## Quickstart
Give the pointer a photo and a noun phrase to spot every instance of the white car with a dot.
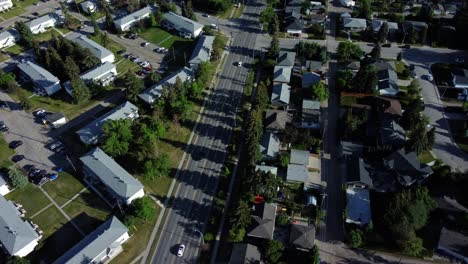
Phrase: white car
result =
(180, 251)
(239, 63)
(214, 26)
(430, 77)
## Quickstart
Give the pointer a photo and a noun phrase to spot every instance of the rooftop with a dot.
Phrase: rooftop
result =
(286, 58)
(302, 236)
(133, 16)
(263, 221)
(358, 206)
(300, 157)
(97, 50)
(202, 49)
(38, 75)
(245, 254)
(269, 145)
(358, 23)
(282, 74)
(280, 93)
(275, 120)
(183, 22)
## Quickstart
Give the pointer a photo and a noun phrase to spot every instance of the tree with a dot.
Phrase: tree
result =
(176, 104)
(413, 90)
(364, 9)
(274, 48)
(6, 79)
(266, 17)
(242, 216)
(319, 91)
(344, 80)
(412, 246)
(133, 5)
(152, 78)
(366, 79)
(143, 208)
(376, 52)
(17, 260)
(117, 137)
(274, 251)
(17, 178)
(355, 238)
(348, 51)
(420, 140)
(96, 31)
(26, 36)
(314, 255)
(187, 9)
(25, 103)
(399, 56)
(71, 69)
(152, 20)
(134, 86)
(105, 39)
(157, 167)
(80, 92)
(382, 34)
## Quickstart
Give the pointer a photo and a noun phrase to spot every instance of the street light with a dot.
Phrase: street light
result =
(201, 234)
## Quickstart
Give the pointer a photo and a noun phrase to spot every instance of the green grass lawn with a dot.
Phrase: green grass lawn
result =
(15, 50)
(32, 199)
(348, 100)
(113, 46)
(426, 157)
(64, 188)
(88, 211)
(238, 12)
(49, 220)
(5, 151)
(18, 8)
(162, 38)
(125, 65)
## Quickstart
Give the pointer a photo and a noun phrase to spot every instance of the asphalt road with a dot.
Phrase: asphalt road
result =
(198, 181)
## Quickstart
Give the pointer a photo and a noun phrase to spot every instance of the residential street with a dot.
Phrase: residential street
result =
(198, 181)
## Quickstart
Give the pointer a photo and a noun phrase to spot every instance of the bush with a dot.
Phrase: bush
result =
(17, 178)
(355, 238)
(209, 237)
(282, 219)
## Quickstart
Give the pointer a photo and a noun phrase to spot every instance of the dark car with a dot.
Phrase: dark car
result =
(387, 45)
(3, 104)
(3, 128)
(17, 158)
(29, 167)
(120, 52)
(412, 67)
(37, 179)
(33, 173)
(15, 144)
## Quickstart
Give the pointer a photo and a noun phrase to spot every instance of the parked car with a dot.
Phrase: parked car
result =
(214, 26)
(141, 73)
(52, 176)
(205, 15)
(3, 104)
(15, 144)
(55, 145)
(144, 44)
(239, 63)
(148, 69)
(4, 128)
(414, 74)
(38, 112)
(33, 172)
(180, 251)
(17, 158)
(29, 167)
(59, 149)
(430, 77)
(120, 52)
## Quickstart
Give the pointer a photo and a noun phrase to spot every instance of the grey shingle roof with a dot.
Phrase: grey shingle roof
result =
(15, 233)
(280, 94)
(415, 25)
(453, 243)
(54, 117)
(358, 172)
(111, 173)
(310, 78)
(357, 23)
(263, 221)
(286, 58)
(376, 24)
(155, 91)
(310, 105)
(302, 236)
(183, 22)
(282, 74)
(11, 33)
(297, 173)
(300, 157)
(101, 239)
(39, 76)
(295, 25)
(98, 71)
(245, 254)
(269, 146)
(275, 120)
(202, 49)
(135, 16)
(97, 50)
(40, 20)
(407, 167)
(90, 134)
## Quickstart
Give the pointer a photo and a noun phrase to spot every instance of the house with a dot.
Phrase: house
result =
(453, 244)
(387, 82)
(358, 210)
(310, 114)
(345, 15)
(275, 120)
(269, 146)
(267, 169)
(298, 173)
(317, 18)
(91, 133)
(309, 79)
(128, 21)
(5, 5)
(102, 74)
(262, 224)
(9, 38)
(354, 24)
(103, 54)
(286, 58)
(43, 81)
(391, 133)
(41, 24)
(100, 246)
(354, 66)
(299, 157)
(302, 236)
(293, 5)
(243, 253)
(55, 119)
(416, 26)
(377, 24)
(88, 7)
(282, 74)
(347, 3)
(280, 95)
(186, 27)
(406, 168)
(314, 66)
(460, 78)
(295, 27)
(151, 94)
(101, 169)
(202, 51)
(4, 188)
(17, 237)
(358, 175)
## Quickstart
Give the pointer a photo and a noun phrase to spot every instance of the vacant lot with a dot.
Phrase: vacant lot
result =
(31, 197)
(64, 188)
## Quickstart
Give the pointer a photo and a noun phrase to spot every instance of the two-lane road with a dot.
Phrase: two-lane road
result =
(199, 179)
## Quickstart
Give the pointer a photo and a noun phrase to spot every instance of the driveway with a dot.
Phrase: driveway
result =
(23, 126)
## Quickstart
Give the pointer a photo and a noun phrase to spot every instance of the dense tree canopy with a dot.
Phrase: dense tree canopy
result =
(17, 178)
(348, 52)
(311, 51)
(117, 137)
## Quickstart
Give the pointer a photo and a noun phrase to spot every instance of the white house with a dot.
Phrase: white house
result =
(17, 237)
(103, 54)
(5, 5)
(44, 82)
(186, 27)
(55, 120)
(88, 7)
(100, 169)
(4, 189)
(100, 246)
(9, 38)
(128, 21)
(102, 74)
(202, 51)
(41, 24)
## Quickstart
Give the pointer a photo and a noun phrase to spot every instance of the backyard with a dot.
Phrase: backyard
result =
(31, 197)
(64, 188)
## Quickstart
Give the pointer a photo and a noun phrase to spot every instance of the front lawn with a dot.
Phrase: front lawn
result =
(5, 151)
(88, 211)
(18, 8)
(49, 221)
(31, 197)
(426, 157)
(158, 35)
(15, 50)
(64, 188)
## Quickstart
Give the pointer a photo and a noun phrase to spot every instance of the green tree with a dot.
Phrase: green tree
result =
(71, 69)
(314, 255)
(17, 260)
(364, 9)
(355, 238)
(366, 79)
(266, 17)
(133, 5)
(274, 251)
(134, 86)
(105, 39)
(376, 52)
(6, 79)
(348, 52)
(25, 103)
(117, 137)
(319, 91)
(236, 235)
(413, 91)
(159, 167)
(274, 49)
(96, 31)
(27, 37)
(80, 92)
(187, 10)
(420, 140)
(242, 216)
(344, 80)
(17, 178)
(152, 20)
(412, 246)
(143, 208)
(382, 34)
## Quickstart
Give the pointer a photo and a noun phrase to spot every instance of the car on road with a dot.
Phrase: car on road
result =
(239, 63)
(180, 250)
(205, 15)
(387, 45)
(430, 77)
(414, 74)
(15, 144)
(214, 26)
(3, 104)
(55, 145)
(144, 44)
(17, 158)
